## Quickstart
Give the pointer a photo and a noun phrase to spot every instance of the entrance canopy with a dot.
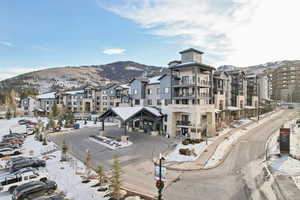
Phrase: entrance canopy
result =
(128, 113)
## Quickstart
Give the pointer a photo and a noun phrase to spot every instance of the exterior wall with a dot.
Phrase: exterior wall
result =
(191, 57)
(137, 89)
(263, 86)
(153, 95)
(220, 101)
(165, 82)
(46, 104)
(241, 101)
(29, 104)
(196, 122)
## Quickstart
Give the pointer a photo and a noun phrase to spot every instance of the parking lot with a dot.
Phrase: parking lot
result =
(144, 146)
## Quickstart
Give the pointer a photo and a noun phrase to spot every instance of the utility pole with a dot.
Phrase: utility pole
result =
(159, 182)
(258, 97)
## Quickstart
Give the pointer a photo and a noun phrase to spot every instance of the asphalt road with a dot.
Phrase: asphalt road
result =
(144, 146)
(225, 182)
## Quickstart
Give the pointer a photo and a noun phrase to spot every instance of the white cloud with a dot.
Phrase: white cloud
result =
(239, 32)
(9, 72)
(113, 51)
(4, 43)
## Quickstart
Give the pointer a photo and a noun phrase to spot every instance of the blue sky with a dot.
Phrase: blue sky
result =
(37, 34)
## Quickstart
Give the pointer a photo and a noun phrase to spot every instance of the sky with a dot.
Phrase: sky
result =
(38, 34)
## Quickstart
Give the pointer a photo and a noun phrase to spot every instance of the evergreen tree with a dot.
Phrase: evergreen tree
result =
(52, 124)
(116, 179)
(8, 114)
(101, 175)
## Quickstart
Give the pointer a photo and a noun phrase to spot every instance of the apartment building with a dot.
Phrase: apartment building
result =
(286, 83)
(221, 89)
(71, 101)
(238, 96)
(29, 104)
(191, 112)
(46, 101)
(252, 90)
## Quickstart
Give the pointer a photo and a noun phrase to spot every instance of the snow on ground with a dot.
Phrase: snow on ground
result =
(63, 173)
(110, 143)
(223, 148)
(286, 165)
(241, 122)
(175, 156)
(92, 124)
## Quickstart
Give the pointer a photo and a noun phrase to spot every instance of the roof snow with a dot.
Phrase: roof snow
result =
(126, 86)
(154, 80)
(126, 112)
(50, 95)
(74, 92)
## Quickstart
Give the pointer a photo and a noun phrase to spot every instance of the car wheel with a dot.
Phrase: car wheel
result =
(12, 189)
(1, 155)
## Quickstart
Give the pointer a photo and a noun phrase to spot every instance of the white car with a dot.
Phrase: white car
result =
(9, 151)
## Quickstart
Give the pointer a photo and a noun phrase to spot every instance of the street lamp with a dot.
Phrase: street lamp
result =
(159, 176)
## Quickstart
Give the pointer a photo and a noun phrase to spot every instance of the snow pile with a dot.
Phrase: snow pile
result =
(109, 142)
(241, 122)
(223, 148)
(175, 156)
(286, 165)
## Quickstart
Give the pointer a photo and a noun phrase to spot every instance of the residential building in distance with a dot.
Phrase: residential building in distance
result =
(238, 96)
(29, 104)
(252, 90)
(46, 101)
(286, 83)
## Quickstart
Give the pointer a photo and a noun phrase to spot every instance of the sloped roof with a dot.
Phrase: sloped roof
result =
(50, 95)
(126, 113)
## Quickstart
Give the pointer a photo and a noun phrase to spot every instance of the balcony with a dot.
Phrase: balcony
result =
(183, 123)
(183, 83)
(184, 96)
(204, 83)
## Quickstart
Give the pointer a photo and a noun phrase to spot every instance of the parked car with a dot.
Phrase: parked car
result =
(23, 121)
(15, 137)
(15, 160)
(6, 151)
(10, 182)
(8, 145)
(34, 189)
(27, 163)
(12, 141)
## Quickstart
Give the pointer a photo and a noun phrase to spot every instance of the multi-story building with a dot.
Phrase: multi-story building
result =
(46, 101)
(238, 96)
(29, 104)
(286, 83)
(191, 112)
(252, 90)
(221, 89)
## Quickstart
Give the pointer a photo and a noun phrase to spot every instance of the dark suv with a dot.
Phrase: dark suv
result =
(15, 166)
(34, 189)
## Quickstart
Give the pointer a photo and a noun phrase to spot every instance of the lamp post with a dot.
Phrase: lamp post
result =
(159, 182)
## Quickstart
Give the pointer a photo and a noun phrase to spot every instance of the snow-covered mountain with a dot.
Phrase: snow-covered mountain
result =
(51, 79)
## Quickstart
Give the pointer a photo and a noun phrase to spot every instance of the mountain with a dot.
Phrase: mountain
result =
(52, 79)
(257, 69)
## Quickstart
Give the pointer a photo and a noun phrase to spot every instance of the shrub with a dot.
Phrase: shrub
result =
(186, 152)
(185, 142)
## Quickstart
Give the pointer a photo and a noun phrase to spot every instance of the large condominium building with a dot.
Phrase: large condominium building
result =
(238, 89)
(222, 89)
(286, 83)
(252, 90)
(191, 112)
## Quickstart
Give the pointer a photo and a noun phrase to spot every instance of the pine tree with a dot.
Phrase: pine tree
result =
(116, 179)
(52, 123)
(8, 114)
(64, 151)
(101, 175)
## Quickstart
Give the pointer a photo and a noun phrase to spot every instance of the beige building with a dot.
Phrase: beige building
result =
(191, 112)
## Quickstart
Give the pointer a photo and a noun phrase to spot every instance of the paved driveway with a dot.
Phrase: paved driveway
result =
(144, 146)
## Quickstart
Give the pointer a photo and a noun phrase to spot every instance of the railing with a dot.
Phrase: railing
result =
(191, 95)
(183, 123)
(183, 82)
(205, 83)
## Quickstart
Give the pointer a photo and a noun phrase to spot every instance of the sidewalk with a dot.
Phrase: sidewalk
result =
(200, 163)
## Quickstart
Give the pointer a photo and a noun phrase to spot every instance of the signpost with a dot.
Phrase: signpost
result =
(284, 140)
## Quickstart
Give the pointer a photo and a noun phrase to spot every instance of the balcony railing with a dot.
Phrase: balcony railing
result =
(183, 83)
(183, 123)
(183, 96)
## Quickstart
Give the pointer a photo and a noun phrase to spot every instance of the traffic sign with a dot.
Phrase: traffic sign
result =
(163, 172)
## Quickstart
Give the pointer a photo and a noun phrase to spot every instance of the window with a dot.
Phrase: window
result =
(149, 102)
(167, 102)
(149, 91)
(104, 103)
(166, 90)
(111, 103)
(111, 91)
(158, 102)
(111, 98)
(104, 98)
(136, 102)
(135, 91)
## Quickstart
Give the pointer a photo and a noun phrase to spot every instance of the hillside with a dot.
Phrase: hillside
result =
(77, 77)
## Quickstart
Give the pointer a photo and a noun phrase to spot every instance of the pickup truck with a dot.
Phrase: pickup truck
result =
(10, 182)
